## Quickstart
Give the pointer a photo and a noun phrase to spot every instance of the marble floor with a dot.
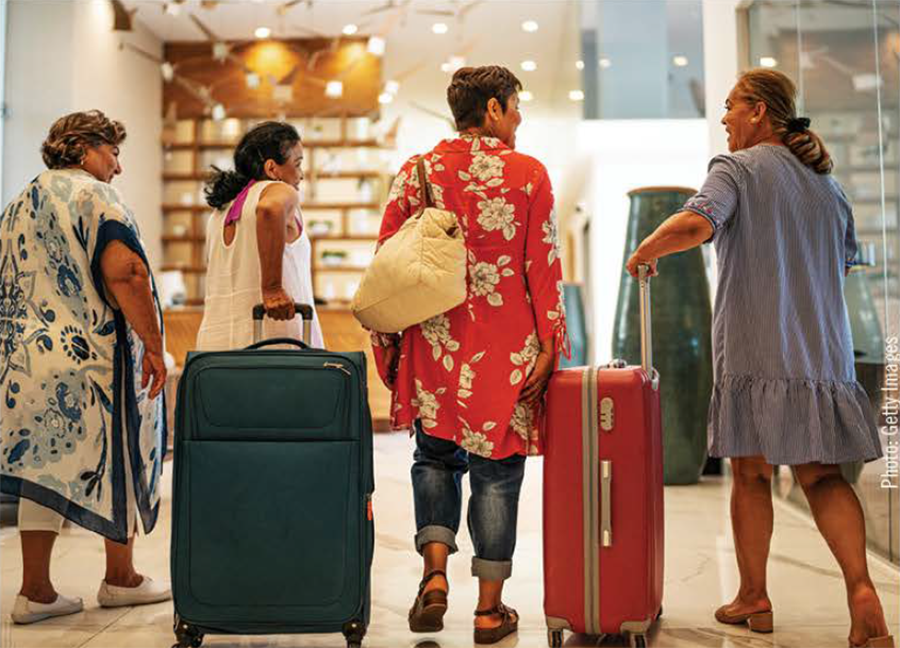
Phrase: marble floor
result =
(806, 586)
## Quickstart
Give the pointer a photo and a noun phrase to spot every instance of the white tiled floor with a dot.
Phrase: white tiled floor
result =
(806, 586)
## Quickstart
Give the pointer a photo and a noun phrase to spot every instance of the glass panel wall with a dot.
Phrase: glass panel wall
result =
(844, 56)
(642, 60)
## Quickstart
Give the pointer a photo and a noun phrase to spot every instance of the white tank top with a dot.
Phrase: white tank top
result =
(233, 278)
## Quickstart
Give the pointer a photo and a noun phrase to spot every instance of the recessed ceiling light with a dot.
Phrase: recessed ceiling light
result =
(576, 95)
(376, 45)
(680, 61)
(579, 65)
(604, 62)
(168, 71)
(525, 96)
(350, 29)
(385, 98)
(334, 89)
(218, 112)
(529, 26)
(262, 32)
(253, 80)
(445, 67)
(529, 66)
(393, 87)
(456, 62)
(768, 61)
(439, 28)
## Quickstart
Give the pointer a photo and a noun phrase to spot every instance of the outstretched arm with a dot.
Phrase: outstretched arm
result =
(683, 231)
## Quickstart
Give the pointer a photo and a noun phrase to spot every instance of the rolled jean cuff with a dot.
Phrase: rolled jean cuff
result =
(492, 570)
(436, 533)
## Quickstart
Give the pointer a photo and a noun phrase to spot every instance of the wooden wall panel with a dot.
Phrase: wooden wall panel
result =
(303, 65)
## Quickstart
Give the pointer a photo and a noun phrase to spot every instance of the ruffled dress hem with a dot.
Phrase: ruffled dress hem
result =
(792, 421)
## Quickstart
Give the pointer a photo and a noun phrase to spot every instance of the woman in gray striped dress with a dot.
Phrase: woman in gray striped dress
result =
(785, 388)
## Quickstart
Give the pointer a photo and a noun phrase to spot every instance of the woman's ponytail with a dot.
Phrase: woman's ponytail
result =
(223, 186)
(777, 91)
(265, 141)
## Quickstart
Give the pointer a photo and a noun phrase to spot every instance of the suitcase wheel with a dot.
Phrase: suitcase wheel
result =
(554, 638)
(354, 631)
(186, 635)
(638, 641)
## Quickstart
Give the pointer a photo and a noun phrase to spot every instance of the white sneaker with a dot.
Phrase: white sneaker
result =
(148, 591)
(28, 611)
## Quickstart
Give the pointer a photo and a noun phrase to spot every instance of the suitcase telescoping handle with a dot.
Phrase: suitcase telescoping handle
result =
(606, 466)
(304, 310)
(646, 325)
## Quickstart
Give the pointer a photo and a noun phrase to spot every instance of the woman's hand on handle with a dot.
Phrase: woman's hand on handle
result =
(638, 260)
(279, 305)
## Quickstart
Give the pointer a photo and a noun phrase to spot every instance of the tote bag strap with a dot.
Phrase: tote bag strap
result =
(423, 184)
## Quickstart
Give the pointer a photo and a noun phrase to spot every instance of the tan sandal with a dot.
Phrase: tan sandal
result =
(507, 626)
(427, 612)
(762, 621)
(886, 641)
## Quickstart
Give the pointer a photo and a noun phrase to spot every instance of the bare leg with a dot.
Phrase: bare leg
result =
(490, 594)
(37, 547)
(435, 556)
(120, 570)
(751, 523)
(839, 516)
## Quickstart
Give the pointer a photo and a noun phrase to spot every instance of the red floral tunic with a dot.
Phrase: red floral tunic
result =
(461, 372)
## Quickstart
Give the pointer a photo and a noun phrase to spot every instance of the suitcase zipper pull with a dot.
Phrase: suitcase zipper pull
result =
(335, 365)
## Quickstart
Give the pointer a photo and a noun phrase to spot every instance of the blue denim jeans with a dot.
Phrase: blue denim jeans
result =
(437, 473)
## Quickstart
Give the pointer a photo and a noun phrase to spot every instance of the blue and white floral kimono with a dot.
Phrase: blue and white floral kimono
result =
(73, 411)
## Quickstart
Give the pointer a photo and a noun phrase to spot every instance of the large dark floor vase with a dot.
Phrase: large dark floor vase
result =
(682, 348)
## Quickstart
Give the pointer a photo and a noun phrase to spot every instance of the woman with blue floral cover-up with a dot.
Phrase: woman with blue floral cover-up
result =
(82, 415)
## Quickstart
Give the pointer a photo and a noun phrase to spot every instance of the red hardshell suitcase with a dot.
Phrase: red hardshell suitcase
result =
(603, 497)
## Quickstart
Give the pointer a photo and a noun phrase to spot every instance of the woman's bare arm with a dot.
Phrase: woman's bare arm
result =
(127, 280)
(277, 204)
(683, 231)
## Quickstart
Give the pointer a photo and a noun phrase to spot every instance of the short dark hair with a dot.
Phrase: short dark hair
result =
(71, 135)
(472, 87)
(269, 140)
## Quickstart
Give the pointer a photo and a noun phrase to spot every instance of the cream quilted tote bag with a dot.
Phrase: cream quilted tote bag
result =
(418, 273)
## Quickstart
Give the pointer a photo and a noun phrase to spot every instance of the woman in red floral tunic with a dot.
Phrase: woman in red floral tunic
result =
(470, 381)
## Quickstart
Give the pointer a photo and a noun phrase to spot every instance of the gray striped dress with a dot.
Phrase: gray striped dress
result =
(785, 385)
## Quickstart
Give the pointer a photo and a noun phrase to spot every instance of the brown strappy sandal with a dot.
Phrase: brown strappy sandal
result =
(427, 613)
(507, 626)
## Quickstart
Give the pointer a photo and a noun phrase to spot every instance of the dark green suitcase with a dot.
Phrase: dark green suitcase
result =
(272, 529)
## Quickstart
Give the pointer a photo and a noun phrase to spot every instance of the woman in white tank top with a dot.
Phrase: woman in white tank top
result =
(257, 248)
